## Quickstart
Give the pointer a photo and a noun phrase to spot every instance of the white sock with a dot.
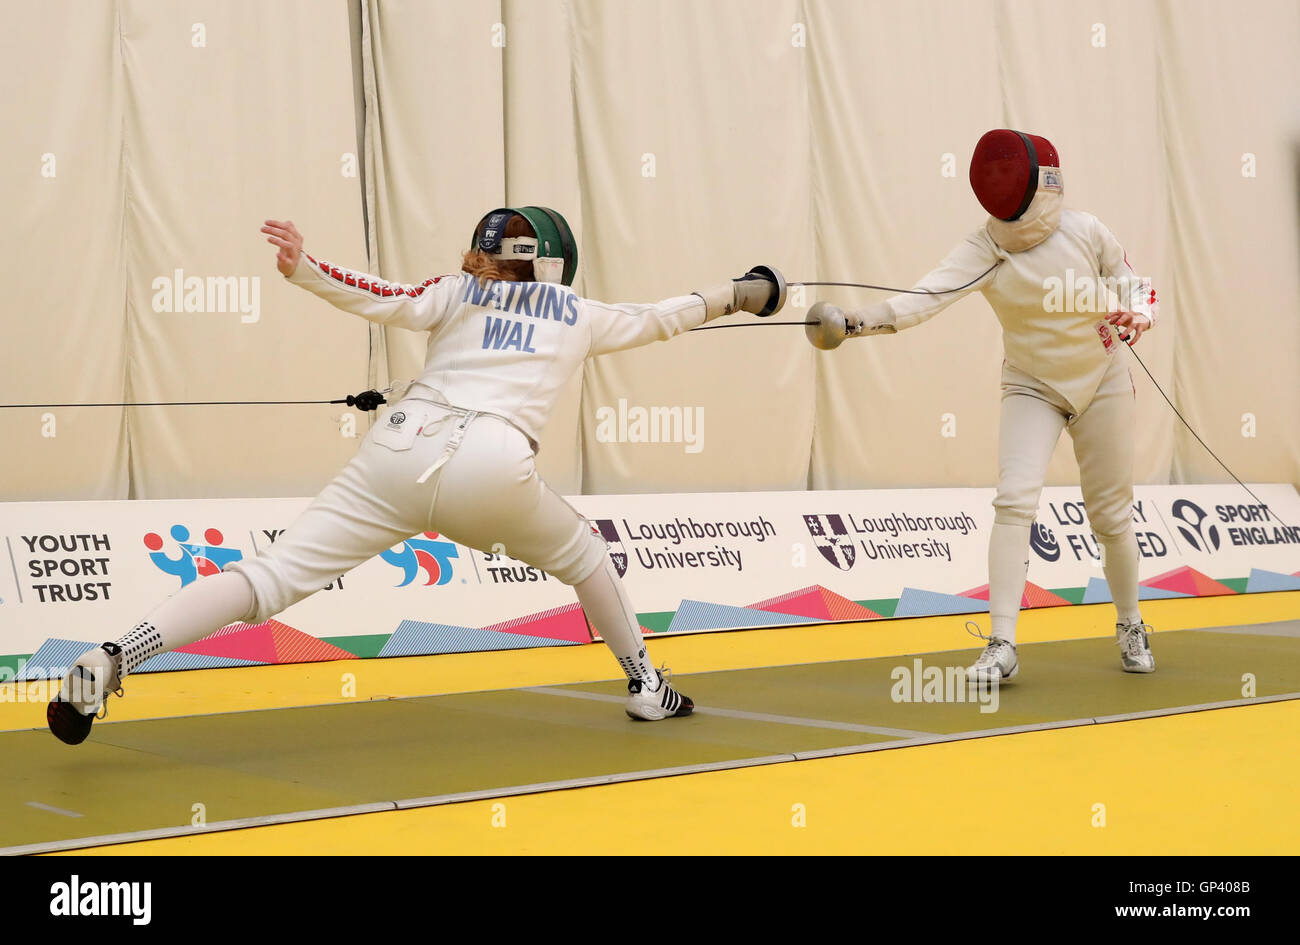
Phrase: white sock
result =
(1121, 568)
(190, 614)
(607, 606)
(1008, 567)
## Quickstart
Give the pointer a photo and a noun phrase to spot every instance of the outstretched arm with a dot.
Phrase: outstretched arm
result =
(971, 264)
(417, 307)
(615, 327)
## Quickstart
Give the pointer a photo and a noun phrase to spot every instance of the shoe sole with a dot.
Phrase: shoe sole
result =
(978, 681)
(66, 723)
(660, 714)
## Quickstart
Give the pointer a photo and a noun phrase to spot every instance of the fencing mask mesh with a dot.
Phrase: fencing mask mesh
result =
(1005, 171)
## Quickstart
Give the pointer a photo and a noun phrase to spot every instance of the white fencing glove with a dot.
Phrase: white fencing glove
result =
(831, 325)
(760, 291)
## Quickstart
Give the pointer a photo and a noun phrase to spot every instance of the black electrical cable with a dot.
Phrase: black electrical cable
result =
(885, 288)
(184, 403)
(1154, 382)
(856, 285)
(351, 399)
(1190, 430)
(752, 325)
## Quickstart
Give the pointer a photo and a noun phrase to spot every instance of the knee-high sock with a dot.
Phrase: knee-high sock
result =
(188, 615)
(1121, 567)
(607, 606)
(1008, 566)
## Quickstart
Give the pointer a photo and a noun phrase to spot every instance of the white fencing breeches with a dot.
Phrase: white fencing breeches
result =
(485, 493)
(1033, 416)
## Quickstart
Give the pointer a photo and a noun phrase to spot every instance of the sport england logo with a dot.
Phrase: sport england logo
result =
(195, 560)
(1043, 541)
(1199, 534)
(428, 554)
(832, 539)
(617, 553)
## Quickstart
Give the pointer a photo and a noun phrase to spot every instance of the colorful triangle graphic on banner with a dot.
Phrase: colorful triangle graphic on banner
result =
(567, 623)
(1034, 596)
(645, 632)
(419, 638)
(364, 646)
(55, 656)
(1098, 592)
(1261, 580)
(1187, 580)
(240, 641)
(294, 646)
(1157, 593)
(175, 660)
(701, 615)
(918, 603)
(270, 642)
(817, 602)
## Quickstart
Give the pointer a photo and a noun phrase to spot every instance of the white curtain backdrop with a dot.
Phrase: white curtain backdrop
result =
(685, 141)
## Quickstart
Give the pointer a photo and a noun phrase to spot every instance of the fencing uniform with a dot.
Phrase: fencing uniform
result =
(1063, 371)
(456, 455)
(453, 456)
(1050, 275)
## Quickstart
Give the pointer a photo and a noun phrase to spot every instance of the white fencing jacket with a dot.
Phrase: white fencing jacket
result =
(1037, 295)
(500, 347)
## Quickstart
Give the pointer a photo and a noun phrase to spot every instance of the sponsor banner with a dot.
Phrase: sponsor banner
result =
(75, 573)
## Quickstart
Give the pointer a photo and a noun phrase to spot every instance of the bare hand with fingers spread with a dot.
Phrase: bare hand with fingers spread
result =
(284, 234)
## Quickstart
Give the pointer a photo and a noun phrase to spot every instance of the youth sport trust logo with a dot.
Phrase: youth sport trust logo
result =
(429, 554)
(194, 560)
(832, 539)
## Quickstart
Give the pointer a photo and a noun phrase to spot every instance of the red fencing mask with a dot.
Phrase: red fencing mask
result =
(1005, 171)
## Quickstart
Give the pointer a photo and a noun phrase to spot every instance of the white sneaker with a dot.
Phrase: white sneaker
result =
(997, 664)
(1134, 648)
(83, 693)
(664, 703)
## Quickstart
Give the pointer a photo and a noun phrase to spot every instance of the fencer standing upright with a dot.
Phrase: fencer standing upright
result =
(1062, 371)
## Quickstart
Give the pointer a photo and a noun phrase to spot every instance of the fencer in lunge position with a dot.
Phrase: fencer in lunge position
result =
(1062, 370)
(455, 456)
